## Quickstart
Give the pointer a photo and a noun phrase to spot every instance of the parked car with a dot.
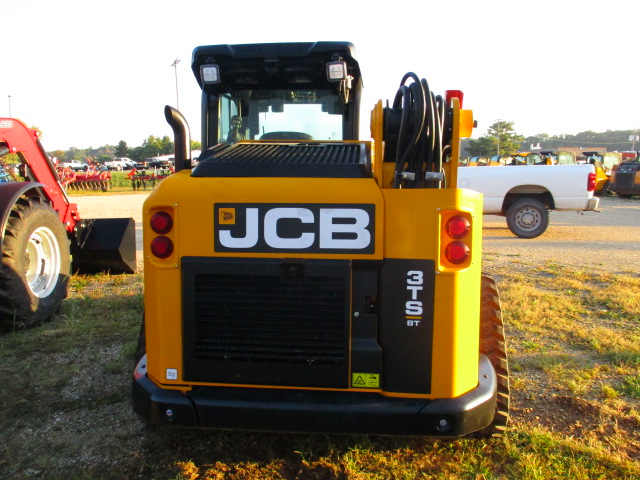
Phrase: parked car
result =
(75, 165)
(120, 163)
(161, 162)
(141, 165)
(525, 194)
(625, 180)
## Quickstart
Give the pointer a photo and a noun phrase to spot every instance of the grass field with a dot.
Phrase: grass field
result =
(574, 346)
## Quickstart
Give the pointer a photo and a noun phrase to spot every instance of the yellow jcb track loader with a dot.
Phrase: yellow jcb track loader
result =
(297, 278)
(606, 163)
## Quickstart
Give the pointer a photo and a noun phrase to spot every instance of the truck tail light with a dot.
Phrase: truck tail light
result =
(162, 247)
(591, 182)
(457, 252)
(457, 227)
(161, 223)
(456, 240)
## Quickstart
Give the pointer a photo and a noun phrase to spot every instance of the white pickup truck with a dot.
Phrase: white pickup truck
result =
(122, 163)
(524, 194)
(75, 165)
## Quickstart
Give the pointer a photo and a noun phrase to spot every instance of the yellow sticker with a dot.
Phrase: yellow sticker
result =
(365, 380)
(227, 216)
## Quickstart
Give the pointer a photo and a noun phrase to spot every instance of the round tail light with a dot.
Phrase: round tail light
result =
(161, 222)
(457, 227)
(162, 247)
(457, 252)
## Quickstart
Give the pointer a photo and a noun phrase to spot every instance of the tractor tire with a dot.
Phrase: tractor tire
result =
(36, 263)
(527, 218)
(493, 344)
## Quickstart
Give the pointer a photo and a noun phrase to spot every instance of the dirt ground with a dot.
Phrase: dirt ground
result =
(74, 424)
(607, 239)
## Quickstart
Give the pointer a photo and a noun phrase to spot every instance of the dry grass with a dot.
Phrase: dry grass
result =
(574, 345)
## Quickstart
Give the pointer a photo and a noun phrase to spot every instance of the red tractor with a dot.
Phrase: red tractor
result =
(43, 237)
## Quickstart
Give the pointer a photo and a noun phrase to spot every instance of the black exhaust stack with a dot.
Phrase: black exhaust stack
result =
(182, 136)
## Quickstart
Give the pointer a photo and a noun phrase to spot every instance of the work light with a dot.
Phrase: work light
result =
(210, 74)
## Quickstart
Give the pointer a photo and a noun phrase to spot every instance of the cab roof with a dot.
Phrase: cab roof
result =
(299, 65)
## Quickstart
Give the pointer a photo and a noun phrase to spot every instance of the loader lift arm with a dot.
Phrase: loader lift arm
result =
(16, 137)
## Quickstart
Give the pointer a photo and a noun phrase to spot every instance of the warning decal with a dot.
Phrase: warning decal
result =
(365, 380)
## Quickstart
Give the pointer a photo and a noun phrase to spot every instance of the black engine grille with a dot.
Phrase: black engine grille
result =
(625, 180)
(260, 159)
(250, 319)
(266, 321)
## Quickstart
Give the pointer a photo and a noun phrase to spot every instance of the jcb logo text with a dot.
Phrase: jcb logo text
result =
(319, 228)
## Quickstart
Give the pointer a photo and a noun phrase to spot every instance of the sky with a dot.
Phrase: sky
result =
(92, 73)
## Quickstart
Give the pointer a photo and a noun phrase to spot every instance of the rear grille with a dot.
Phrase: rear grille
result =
(266, 321)
(625, 180)
(304, 153)
(263, 159)
(255, 319)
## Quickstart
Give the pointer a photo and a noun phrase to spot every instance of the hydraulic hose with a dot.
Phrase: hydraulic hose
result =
(413, 130)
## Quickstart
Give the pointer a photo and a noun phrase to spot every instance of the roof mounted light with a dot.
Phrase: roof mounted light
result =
(210, 74)
(337, 71)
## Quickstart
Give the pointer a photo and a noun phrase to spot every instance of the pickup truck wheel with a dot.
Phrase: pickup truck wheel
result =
(35, 264)
(493, 344)
(527, 218)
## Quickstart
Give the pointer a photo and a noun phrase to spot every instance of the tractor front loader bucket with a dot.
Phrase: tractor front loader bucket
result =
(105, 244)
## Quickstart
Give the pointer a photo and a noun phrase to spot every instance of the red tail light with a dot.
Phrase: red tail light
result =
(455, 239)
(162, 247)
(161, 222)
(591, 182)
(457, 227)
(457, 252)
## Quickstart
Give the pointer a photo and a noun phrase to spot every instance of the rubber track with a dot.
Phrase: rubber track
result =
(494, 345)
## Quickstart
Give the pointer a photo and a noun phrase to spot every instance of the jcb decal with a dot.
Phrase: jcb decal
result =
(227, 216)
(319, 228)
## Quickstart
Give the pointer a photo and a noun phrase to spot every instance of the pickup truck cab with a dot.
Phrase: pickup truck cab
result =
(525, 194)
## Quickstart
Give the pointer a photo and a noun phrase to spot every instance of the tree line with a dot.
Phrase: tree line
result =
(151, 147)
(502, 139)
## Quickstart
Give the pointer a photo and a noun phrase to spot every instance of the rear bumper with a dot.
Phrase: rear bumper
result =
(318, 410)
(593, 203)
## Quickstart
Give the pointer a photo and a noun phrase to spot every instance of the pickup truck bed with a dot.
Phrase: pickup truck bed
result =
(525, 194)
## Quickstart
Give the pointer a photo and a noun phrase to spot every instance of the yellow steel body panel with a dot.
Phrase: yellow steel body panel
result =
(601, 178)
(414, 220)
(408, 224)
(193, 235)
(377, 122)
